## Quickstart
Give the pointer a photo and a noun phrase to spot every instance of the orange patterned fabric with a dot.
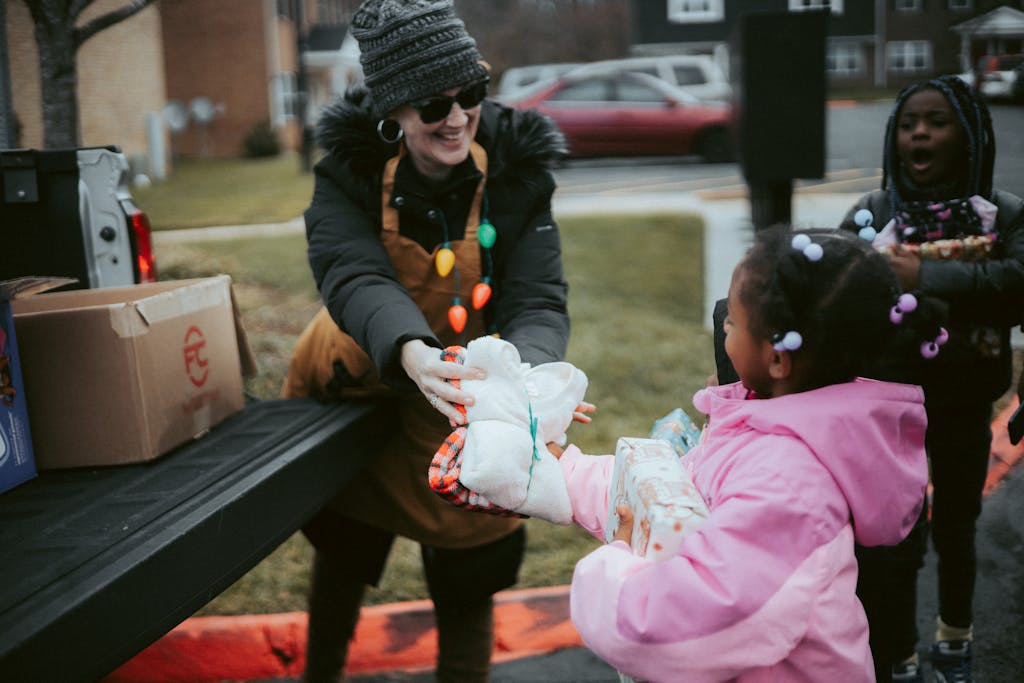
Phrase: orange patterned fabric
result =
(445, 466)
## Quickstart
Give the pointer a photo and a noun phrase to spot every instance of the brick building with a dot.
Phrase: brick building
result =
(114, 93)
(234, 60)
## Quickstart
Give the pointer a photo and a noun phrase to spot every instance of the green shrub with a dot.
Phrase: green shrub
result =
(262, 141)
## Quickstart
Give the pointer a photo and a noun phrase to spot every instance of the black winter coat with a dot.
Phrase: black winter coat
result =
(979, 294)
(352, 270)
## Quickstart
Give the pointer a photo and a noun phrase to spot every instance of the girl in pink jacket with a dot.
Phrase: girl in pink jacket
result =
(797, 460)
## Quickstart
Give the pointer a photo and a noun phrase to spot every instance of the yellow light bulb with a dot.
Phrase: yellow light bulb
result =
(444, 261)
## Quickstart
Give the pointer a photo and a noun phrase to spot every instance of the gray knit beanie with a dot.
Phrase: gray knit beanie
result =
(412, 49)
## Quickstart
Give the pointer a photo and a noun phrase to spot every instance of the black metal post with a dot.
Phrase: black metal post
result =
(771, 202)
(302, 88)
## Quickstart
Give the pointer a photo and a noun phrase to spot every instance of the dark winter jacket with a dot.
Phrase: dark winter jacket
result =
(983, 296)
(357, 282)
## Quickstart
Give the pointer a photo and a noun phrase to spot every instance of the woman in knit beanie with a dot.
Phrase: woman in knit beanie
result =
(430, 225)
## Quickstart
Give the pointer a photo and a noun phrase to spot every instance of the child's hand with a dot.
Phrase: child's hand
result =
(711, 380)
(555, 449)
(625, 530)
(906, 264)
(580, 414)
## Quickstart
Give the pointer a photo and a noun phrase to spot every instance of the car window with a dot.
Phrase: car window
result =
(589, 90)
(689, 75)
(649, 70)
(1009, 62)
(627, 90)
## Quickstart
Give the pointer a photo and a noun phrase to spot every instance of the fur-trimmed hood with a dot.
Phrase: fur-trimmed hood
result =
(348, 131)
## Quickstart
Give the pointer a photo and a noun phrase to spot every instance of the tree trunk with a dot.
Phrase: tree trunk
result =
(58, 72)
(58, 40)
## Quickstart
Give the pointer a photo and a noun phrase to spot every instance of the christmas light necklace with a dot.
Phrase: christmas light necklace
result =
(444, 263)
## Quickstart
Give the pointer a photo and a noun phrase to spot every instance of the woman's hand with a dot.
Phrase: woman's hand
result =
(625, 530)
(424, 366)
(582, 412)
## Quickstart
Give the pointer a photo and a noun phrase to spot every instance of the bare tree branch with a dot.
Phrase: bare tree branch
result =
(83, 33)
(77, 7)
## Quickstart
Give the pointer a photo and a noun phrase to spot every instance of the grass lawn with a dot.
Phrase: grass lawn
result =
(227, 192)
(635, 299)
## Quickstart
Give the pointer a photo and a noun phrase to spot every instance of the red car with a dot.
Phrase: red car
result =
(634, 114)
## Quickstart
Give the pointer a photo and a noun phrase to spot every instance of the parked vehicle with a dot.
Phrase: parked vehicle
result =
(627, 113)
(698, 75)
(999, 77)
(517, 78)
(69, 212)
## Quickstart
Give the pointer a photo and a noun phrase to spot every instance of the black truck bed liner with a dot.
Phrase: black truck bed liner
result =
(97, 563)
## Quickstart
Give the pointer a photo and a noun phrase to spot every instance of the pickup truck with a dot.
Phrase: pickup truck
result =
(69, 213)
(96, 563)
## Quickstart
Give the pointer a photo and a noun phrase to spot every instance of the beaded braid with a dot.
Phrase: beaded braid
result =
(974, 117)
(839, 302)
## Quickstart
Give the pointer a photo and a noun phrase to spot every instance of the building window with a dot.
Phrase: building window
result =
(284, 91)
(844, 59)
(804, 5)
(909, 56)
(908, 5)
(695, 11)
(961, 4)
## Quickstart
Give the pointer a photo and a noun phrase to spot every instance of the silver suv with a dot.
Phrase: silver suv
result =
(698, 75)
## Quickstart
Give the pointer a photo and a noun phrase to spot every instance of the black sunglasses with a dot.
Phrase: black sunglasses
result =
(437, 108)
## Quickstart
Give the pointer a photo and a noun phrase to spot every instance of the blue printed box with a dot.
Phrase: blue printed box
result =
(17, 465)
(17, 459)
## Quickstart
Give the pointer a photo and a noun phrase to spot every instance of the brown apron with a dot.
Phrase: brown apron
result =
(392, 491)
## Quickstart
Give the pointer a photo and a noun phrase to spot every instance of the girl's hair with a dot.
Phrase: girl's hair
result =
(974, 117)
(839, 301)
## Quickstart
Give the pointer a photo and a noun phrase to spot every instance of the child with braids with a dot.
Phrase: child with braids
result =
(764, 588)
(949, 234)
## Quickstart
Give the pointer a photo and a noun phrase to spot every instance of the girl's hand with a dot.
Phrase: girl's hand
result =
(555, 449)
(424, 366)
(906, 264)
(582, 411)
(625, 530)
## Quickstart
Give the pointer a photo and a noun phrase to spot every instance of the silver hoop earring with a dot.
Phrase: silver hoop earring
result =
(389, 131)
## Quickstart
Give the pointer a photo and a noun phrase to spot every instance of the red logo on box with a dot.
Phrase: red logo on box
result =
(195, 363)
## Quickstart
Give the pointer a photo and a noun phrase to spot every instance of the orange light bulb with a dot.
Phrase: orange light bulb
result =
(457, 316)
(481, 295)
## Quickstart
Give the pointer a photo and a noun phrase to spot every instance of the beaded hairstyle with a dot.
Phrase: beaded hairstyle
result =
(976, 121)
(834, 298)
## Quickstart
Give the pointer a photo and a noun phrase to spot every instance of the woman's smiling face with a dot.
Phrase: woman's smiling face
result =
(437, 148)
(930, 142)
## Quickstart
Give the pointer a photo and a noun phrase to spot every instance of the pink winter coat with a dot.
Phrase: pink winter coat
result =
(764, 589)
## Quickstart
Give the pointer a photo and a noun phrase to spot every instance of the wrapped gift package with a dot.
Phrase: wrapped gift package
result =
(649, 477)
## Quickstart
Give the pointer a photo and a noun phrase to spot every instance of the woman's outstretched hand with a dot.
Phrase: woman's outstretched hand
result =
(424, 366)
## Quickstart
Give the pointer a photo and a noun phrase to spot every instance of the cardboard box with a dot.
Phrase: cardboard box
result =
(124, 374)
